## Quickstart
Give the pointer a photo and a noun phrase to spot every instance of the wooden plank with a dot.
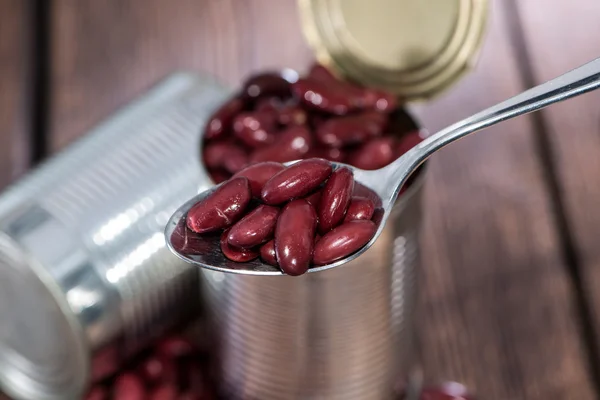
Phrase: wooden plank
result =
(488, 238)
(14, 47)
(563, 37)
(498, 312)
(107, 52)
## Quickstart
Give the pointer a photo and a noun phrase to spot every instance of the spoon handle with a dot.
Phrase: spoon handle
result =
(578, 81)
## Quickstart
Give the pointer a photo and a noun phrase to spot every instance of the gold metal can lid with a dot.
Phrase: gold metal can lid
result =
(413, 48)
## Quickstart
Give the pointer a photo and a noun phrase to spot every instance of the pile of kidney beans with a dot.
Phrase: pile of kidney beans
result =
(273, 119)
(173, 369)
(293, 206)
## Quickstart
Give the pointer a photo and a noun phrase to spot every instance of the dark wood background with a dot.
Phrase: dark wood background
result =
(510, 249)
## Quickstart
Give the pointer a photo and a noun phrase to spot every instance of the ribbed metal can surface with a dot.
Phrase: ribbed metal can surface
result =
(344, 333)
(85, 276)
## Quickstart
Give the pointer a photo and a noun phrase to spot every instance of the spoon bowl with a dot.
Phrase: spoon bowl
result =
(204, 250)
(385, 183)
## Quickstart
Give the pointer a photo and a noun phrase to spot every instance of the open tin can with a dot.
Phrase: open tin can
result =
(86, 279)
(347, 333)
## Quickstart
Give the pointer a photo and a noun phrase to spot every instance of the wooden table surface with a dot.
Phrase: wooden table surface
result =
(509, 243)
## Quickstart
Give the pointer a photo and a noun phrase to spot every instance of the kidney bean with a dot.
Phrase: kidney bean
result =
(152, 369)
(218, 175)
(234, 253)
(335, 199)
(360, 208)
(292, 115)
(294, 237)
(255, 228)
(291, 144)
(320, 73)
(328, 97)
(266, 84)
(128, 386)
(375, 154)
(97, 393)
(351, 129)
(259, 174)
(314, 199)
(220, 121)
(175, 347)
(370, 98)
(221, 208)
(270, 105)
(327, 153)
(296, 181)
(267, 252)
(324, 75)
(380, 100)
(255, 129)
(407, 142)
(164, 392)
(225, 154)
(343, 241)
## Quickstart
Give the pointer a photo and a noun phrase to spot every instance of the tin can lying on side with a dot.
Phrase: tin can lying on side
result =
(85, 277)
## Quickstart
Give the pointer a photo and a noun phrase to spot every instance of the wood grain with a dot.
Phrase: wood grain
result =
(562, 38)
(14, 48)
(497, 309)
(107, 52)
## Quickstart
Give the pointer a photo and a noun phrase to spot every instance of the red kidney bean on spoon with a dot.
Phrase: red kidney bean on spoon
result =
(294, 237)
(225, 154)
(220, 121)
(267, 253)
(314, 198)
(296, 181)
(128, 386)
(375, 154)
(343, 241)
(255, 129)
(254, 228)
(351, 129)
(335, 199)
(259, 174)
(291, 144)
(266, 84)
(360, 208)
(234, 253)
(221, 208)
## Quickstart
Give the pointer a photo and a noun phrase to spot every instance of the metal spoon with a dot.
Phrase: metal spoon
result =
(204, 251)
